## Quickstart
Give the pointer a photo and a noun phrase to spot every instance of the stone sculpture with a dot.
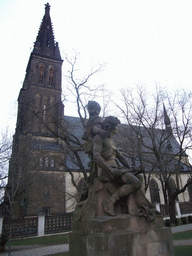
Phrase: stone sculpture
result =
(93, 127)
(113, 216)
(110, 183)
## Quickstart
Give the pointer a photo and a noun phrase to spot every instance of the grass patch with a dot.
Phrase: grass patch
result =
(45, 240)
(182, 250)
(182, 235)
(61, 254)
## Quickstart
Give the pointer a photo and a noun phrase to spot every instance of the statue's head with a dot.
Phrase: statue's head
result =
(110, 123)
(93, 108)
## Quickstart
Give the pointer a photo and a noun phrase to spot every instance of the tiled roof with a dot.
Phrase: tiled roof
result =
(123, 142)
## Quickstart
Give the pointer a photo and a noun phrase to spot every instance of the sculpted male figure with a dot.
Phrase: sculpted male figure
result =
(105, 155)
(93, 127)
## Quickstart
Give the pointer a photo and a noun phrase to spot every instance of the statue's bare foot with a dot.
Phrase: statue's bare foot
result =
(109, 207)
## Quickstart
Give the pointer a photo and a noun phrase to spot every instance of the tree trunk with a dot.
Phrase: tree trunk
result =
(172, 212)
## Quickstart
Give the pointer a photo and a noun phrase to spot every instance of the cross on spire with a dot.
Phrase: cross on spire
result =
(47, 8)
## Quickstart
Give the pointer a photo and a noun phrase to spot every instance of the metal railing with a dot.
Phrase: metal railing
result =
(21, 228)
(58, 223)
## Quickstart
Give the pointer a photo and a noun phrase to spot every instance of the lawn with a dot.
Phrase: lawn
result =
(182, 250)
(61, 254)
(45, 240)
(182, 235)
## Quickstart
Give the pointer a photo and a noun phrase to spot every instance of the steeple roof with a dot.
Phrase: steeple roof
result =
(167, 120)
(45, 42)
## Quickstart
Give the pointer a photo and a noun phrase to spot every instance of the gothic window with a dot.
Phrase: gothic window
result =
(48, 43)
(41, 74)
(52, 163)
(44, 112)
(154, 192)
(41, 162)
(51, 77)
(46, 162)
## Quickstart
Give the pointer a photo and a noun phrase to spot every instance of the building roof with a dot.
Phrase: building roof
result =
(127, 143)
(45, 42)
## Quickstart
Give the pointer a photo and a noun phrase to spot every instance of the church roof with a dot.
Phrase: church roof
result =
(123, 142)
(45, 42)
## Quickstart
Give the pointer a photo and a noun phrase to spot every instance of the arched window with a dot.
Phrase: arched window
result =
(44, 113)
(51, 77)
(41, 161)
(154, 192)
(41, 74)
(46, 162)
(52, 163)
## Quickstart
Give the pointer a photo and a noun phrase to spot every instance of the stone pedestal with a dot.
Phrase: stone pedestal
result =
(122, 235)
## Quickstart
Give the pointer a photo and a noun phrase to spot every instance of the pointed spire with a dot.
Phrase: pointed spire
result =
(167, 120)
(45, 41)
(47, 8)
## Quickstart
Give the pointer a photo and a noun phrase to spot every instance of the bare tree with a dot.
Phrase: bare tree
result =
(160, 143)
(84, 89)
(5, 153)
(16, 181)
(81, 89)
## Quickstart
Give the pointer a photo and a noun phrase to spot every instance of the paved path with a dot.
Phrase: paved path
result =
(40, 251)
(182, 242)
(181, 228)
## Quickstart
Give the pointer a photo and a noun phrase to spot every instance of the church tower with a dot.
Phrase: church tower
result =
(36, 176)
(39, 102)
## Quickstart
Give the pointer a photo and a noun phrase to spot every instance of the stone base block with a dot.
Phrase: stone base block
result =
(122, 235)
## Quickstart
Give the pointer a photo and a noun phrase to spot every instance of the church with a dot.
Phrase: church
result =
(39, 172)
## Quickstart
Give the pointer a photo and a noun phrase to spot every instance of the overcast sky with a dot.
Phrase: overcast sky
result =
(141, 42)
